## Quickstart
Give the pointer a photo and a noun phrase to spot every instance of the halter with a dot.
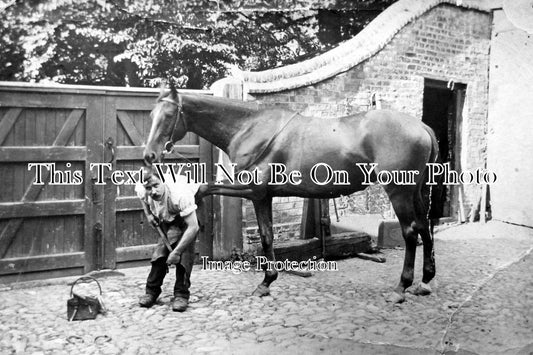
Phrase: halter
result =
(169, 145)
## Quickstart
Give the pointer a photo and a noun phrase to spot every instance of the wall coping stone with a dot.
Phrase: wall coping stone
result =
(353, 51)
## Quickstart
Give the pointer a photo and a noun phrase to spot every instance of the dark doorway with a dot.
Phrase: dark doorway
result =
(442, 111)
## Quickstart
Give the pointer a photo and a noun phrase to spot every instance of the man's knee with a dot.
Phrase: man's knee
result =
(159, 262)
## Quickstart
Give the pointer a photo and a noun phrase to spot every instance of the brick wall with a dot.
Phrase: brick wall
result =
(446, 43)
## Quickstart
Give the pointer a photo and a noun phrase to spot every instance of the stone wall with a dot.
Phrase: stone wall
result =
(445, 43)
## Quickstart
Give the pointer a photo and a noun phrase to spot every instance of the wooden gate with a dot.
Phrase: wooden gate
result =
(77, 220)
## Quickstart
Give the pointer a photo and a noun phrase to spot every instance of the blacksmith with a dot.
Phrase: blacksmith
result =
(170, 206)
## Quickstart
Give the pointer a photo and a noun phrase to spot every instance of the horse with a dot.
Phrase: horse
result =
(270, 141)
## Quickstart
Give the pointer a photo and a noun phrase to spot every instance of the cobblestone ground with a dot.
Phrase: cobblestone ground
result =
(482, 303)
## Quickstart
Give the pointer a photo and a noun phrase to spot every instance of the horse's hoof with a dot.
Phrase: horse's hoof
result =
(261, 291)
(396, 297)
(422, 289)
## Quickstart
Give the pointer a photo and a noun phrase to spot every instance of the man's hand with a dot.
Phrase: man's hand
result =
(174, 258)
(186, 239)
(154, 222)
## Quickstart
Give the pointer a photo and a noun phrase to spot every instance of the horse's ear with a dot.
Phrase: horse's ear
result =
(173, 90)
(162, 88)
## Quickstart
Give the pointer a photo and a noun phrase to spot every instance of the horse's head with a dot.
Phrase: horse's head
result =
(168, 125)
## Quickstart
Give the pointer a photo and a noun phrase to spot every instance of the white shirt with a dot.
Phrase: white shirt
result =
(178, 198)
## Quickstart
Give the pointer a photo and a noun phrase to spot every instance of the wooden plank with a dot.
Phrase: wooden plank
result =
(126, 225)
(78, 138)
(146, 104)
(130, 203)
(41, 263)
(27, 133)
(337, 246)
(6, 178)
(8, 233)
(41, 275)
(138, 252)
(26, 122)
(7, 123)
(41, 208)
(311, 226)
(205, 209)
(135, 153)
(33, 191)
(371, 257)
(109, 242)
(68, 128)
(307, 230)
(94, 212)
(128, 153)
(228, 232)
(40, 100)
(42, 154)
(53, 125)
(136, 226)
(38, 132)
(130, 128)
(457, 124)
(9, 86)
(92, 209)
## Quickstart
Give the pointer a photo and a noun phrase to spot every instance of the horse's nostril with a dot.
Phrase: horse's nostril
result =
(149, 158)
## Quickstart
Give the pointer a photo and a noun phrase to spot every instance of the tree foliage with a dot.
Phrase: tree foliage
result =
(137, 42)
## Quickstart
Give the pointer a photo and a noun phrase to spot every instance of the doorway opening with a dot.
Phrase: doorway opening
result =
(442, 110)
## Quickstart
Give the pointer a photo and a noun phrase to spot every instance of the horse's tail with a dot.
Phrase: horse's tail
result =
(427, 200)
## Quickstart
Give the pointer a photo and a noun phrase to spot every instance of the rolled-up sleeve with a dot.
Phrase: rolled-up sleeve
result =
(186, 205)
(182, 199)
(140, 191)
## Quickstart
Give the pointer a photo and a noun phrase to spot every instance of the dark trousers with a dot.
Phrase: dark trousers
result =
(183, 273)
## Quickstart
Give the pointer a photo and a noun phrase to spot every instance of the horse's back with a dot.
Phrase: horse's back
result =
(365, 137)
(397, 140)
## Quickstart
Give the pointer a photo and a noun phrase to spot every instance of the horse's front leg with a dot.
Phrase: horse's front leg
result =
(263, 212)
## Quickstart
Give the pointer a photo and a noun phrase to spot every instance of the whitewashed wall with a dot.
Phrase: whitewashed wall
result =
(510, 135)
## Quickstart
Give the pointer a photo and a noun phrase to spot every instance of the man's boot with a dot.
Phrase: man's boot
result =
(180, 304)
(147, 300)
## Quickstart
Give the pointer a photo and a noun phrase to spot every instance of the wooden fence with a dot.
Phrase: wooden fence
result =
(72, 224)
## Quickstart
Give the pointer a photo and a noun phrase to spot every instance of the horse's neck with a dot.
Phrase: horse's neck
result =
(215, 121)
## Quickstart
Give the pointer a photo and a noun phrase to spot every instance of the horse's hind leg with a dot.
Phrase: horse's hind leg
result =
(428, 271)
(403, 205)
(422, 226)
(263, 211)
(426, 233)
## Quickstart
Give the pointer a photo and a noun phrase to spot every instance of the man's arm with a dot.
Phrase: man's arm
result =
(143, 196)
(149, 215)
(188, 236)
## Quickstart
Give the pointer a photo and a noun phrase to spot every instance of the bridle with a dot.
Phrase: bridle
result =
(169, 145)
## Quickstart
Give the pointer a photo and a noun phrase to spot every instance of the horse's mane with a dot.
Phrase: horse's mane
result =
(222, 101)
